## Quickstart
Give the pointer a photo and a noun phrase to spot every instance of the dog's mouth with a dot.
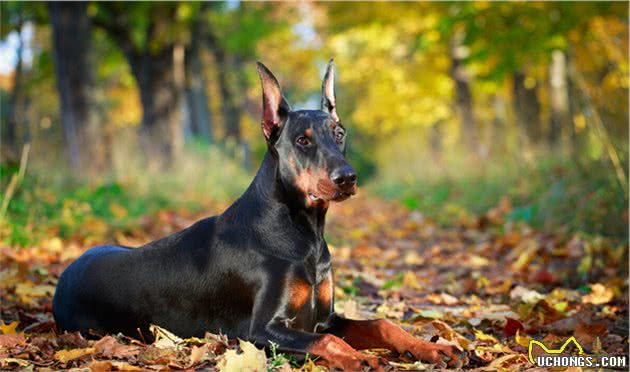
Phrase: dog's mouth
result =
(338, 196)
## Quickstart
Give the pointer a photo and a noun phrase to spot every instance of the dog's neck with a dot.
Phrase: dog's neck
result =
(281, 203)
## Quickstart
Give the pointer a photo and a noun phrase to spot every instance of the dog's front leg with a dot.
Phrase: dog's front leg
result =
(381, 333)
(335, 352)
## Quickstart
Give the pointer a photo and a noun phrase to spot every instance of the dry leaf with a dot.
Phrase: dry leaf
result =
(6, 362)
(249, 360)
(525, 295)
(163, 338)
(480, 336)
(600, 294)
(109, 347)
(11, 340)
(8, 328)
(65, 356)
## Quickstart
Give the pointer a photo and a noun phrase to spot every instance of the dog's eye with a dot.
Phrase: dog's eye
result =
(303, 141)
(339, 136)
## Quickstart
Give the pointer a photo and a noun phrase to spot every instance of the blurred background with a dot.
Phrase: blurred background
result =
(111, 111)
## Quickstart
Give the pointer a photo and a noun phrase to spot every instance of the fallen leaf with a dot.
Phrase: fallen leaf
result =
(65, 356)
(6, 362)
(124, 366)
(521, 340)
(512, 326)
(100, 366)
(8, 328)
(410, 280)
(525, 295)
(600, 294)
(200, 354)
(11, 340)
(29, 293)
(108, 346)
(250, 359)
(163, 338)
(442, 299)
(508, 362)
(587, 333)
(480, 336)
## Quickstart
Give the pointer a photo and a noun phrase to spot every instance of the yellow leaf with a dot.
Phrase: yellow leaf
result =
(124, 366)
(599, 295)
(198, 353)
(250, 360)
(28, 292)
(4, 362)
(480, 336)
(477, 262)
(508, 362)
(522, 340)
(561, 306)
(8, 329)
(65, 356)
(410, 280)
(163, 338)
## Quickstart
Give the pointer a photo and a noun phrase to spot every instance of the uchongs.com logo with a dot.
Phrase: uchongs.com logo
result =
(555, 357)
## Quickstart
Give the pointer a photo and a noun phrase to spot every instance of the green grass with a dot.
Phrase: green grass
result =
(549, 193)
(57, 203)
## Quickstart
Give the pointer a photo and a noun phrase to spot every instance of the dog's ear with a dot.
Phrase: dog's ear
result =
(275, 106)
(329, 101)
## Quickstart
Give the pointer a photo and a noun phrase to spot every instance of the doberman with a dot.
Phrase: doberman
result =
(261, 271)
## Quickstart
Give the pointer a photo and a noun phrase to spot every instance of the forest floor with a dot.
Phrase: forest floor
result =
(486, 285)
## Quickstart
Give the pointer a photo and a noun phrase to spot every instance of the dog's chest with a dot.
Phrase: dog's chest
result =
(309, 297)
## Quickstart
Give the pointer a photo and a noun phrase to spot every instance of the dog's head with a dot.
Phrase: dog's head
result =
(309, 145)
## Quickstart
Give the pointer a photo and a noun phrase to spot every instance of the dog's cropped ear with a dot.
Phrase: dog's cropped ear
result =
(275, 106)
(329, 101)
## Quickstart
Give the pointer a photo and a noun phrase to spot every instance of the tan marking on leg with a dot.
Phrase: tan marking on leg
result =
(299, 293)
(324, 291)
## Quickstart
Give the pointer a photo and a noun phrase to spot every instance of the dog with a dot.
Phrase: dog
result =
(261, 271)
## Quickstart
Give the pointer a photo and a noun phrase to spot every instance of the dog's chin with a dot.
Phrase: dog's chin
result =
(338, 196)
(341, 196)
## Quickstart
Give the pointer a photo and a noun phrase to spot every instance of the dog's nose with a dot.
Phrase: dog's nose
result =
(344, 177)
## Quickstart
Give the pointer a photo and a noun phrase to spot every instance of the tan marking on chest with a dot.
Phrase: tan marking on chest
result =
(299, 293)
(324, 291)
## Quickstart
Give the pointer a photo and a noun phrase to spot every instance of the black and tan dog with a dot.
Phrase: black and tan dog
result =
(260, 271)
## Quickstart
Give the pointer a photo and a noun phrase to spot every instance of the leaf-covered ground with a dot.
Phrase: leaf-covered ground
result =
(485, 284)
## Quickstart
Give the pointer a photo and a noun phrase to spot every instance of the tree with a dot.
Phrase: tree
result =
(463, 95)
(75, 84)
(15, 131)
(200, 122)
(153, 38)
(233, 35)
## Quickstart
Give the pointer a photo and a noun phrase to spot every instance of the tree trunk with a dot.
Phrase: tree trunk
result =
(10, 148)
(197, 97)
(574, 108)
(558, 96)
(463, 96)
(527, 108)
(227, 88)
(75, 83)
(161, 134)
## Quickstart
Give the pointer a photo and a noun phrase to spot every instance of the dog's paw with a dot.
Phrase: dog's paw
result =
(359, 362)
(442, 356)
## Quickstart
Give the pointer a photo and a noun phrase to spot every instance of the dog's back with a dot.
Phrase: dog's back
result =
(170, 281)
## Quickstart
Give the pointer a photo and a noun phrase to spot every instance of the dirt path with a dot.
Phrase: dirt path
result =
(486, 285)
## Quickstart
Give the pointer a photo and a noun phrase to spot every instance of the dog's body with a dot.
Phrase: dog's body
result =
(260, 271)
(204, 278)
